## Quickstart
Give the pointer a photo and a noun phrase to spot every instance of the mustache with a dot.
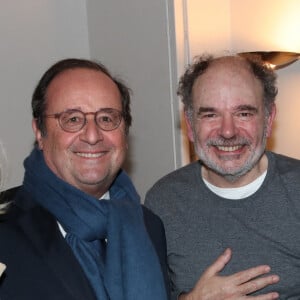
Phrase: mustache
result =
(221, 141)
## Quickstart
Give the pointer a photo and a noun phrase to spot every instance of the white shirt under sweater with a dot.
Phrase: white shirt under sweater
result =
(239, 192)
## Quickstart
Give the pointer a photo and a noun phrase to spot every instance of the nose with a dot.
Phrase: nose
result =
(228, 128)
(91, 133)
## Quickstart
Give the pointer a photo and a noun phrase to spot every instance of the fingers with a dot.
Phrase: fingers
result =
(219, 263)
(269, 296)
(213, 286)
(259, 283)
(249, 274)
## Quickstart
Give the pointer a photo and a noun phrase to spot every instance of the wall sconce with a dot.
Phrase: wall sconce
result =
(276, 59)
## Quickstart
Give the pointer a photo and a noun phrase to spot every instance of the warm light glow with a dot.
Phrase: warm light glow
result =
(265, 26)
(287, 25)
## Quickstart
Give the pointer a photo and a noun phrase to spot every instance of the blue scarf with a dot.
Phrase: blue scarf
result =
(124, 268)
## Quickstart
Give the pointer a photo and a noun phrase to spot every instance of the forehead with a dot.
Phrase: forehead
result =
(82, 88)
(229, 79)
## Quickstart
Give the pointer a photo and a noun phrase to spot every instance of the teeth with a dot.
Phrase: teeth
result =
(228, 148)
(89, 155)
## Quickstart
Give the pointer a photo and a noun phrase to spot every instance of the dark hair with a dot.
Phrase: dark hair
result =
(264, 73)
(39, 103)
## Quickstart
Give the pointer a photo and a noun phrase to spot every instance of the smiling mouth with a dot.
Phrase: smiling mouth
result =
(229, 148)
(90, 155)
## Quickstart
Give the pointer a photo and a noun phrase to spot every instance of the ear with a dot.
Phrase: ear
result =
(37, 133)
(271, 120)
(189, 127)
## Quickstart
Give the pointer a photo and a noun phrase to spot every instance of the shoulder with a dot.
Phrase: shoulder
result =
(172, 185)
(21, 212)
(12, 237)
(151, 220)
(284, 164)
(181, 176)
(7, 199)
(155, 230)
(9, 194)
(287, 169)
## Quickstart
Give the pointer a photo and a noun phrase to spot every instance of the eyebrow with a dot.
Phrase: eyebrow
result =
(205, 109)
(247, 107)
(238, 108)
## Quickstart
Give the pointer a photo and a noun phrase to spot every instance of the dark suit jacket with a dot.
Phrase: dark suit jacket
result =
(40, 264)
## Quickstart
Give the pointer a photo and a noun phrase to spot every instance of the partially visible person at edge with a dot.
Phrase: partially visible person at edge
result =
(239, 203)
(75, 229)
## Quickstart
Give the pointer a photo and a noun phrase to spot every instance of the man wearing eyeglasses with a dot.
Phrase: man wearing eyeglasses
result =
(75, 228)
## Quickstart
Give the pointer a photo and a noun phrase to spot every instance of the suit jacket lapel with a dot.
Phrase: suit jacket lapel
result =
(41, 228)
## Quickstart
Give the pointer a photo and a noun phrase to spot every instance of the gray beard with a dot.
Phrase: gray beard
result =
(234, 175)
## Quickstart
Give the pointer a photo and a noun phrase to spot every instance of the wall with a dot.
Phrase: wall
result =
(135, 39)
(208, 26)
(34, 34)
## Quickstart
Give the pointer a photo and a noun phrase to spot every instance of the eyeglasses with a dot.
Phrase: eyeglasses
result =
(73, 120)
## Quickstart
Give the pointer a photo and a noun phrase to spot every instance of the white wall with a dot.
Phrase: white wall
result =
(34, 34)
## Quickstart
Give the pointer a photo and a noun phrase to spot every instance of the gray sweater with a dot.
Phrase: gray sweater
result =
(263, 228)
